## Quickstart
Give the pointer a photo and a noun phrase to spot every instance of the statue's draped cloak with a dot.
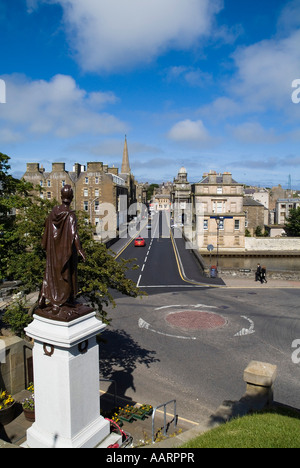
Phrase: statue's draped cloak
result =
(60, 279)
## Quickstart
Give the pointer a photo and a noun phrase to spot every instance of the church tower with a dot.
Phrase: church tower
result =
(125, 162)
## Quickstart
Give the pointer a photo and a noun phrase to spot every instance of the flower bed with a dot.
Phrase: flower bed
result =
(7, 407)
(130, 412)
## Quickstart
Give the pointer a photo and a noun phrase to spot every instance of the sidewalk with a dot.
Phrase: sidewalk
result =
(248, 282)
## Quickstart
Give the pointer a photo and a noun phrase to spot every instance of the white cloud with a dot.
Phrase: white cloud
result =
(57, 107)
(191, 75)
(113, 34)
(265, 73)
(253, 132)
(221, 108)
(189, 131)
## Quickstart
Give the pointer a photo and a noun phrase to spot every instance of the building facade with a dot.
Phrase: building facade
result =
(181, 198)
(218, 213)
(99, 191)
(283, 208)
(255, 218)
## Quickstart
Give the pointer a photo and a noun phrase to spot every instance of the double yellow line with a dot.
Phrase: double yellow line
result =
(180, 268)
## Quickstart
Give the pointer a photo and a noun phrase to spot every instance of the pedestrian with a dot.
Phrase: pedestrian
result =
(263, 274)
(258, 273)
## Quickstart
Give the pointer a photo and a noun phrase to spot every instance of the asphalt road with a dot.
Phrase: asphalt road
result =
(191, 340)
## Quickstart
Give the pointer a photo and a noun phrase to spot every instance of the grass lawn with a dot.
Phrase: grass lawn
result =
(277, 428)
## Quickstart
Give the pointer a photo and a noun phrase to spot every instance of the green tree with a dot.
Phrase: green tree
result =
(12, 192)
(151, 190)
(292, 223)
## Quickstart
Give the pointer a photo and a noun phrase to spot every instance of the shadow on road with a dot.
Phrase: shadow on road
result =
(119, 356)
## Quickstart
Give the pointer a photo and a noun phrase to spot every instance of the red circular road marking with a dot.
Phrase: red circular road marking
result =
(195, 320)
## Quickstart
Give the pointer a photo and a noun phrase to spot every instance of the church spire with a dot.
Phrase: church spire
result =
(125, 162)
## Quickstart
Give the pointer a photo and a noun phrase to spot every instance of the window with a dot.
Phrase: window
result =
(96, 192)
(86, 180)
(205, 224)
(221, 224)
(41, 183)
(236, 224)
(86, 206)
(96, 205)
(49, 195)
(219, 207)
(48, 183)
(219, 190)
(85, 192)
(63, 183)
(96, 180)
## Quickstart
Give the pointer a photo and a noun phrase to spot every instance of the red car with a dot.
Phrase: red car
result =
(139, 242)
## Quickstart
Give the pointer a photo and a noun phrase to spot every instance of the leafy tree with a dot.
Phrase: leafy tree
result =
(292, 223)
(11, 190)
(151, 190)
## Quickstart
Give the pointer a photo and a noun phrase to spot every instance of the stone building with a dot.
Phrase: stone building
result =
(283, 208)
(161, 202)
(219, 213)
(254, 215)
(50, 183)
(99, 191)
(181, 198)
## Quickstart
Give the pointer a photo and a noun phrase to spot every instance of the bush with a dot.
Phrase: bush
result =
(17, 317)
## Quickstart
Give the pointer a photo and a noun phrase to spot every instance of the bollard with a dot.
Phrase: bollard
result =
(260, 377)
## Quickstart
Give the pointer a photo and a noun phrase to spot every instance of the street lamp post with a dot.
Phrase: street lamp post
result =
(218, 220)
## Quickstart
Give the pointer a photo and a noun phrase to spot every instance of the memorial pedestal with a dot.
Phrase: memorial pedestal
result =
(66, 384)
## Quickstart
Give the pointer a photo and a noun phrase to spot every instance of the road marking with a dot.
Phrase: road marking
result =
(143, 324)
(188, 305)
(181, 270)
(246, 331)
(176, 286)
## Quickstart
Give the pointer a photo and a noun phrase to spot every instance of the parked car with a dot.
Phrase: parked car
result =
(139, 242)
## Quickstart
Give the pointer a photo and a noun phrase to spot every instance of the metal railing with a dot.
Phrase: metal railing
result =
(165, 417)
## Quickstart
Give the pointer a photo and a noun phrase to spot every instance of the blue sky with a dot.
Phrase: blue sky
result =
(202, 83)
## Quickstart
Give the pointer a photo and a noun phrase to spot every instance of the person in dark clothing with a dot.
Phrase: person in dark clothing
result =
(263, 274)
(258, 273)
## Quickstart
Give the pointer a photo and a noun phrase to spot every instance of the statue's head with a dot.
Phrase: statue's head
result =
(67, 194)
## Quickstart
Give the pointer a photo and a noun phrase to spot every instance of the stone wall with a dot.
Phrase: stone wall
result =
(248, 273)
(283, 244)
(15, 364)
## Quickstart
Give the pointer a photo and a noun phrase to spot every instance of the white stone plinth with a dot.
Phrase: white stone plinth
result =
(66, 384)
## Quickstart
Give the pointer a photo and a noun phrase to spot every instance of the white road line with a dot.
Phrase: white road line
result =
(246, 331)
(196, 306)
(175, 286)
(143, 324)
